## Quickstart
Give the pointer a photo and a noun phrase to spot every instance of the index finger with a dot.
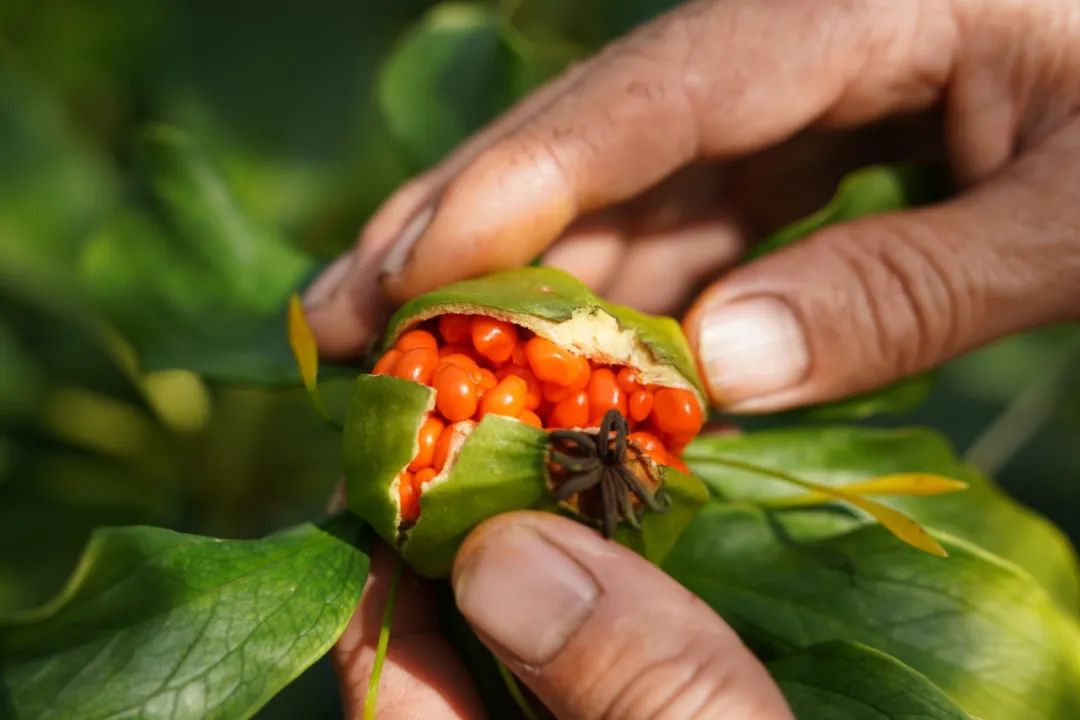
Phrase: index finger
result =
(707, 80)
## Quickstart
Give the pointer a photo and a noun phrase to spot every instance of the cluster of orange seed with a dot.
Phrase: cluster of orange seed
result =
(480, 365)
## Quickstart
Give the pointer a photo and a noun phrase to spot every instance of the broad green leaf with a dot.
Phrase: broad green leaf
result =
(53, 183)
(159, 624)
(978, 627)
(451, 72)
(899, 524)
(871, 190)
(982, 514)
(847, 681)
(198, 285)
(901, 397)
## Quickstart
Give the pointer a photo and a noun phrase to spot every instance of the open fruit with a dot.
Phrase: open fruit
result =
(453, 424)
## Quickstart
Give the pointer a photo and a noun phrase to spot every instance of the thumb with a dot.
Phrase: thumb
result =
(857, 305)
(597, 631)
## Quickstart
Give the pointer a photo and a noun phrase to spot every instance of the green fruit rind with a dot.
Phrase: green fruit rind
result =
(380, 438)
(499, 467)
(557, 306)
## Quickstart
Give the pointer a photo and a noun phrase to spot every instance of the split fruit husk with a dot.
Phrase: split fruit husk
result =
(499, 464)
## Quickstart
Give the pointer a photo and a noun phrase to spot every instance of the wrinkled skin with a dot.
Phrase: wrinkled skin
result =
(647, 171)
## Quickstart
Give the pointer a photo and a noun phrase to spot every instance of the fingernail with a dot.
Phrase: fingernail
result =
(525, 594)
(400, 251)
(750, 348)
(326, 285)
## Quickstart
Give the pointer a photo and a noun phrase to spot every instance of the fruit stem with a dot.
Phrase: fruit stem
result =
(371, 699)
(514, 689)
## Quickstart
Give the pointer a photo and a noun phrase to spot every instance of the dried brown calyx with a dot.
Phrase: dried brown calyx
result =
(603, 476)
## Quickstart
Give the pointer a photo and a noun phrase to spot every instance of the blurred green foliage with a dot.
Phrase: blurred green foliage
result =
(311, 112)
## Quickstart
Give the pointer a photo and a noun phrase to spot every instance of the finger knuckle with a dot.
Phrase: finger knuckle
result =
(689, 681)
(907, 297)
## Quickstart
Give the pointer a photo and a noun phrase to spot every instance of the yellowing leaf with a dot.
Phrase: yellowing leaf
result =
(302, 342)
(906, 484)
(897, 484)
(896, 522)
(306, 352)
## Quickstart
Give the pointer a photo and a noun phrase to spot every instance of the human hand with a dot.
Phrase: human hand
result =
(602, 172)
(593, 629)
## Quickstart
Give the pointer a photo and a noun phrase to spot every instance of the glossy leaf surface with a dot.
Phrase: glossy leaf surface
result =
(157, 623)
(976, 626)
(458, 66)
(982, 514)
(846, 681)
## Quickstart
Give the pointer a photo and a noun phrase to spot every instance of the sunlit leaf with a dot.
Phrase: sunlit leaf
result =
(978, 627)
(302, 342)
(198, 285)
(982, 514)
(902, 396)
(455, 69)
(179, 397)
(54, 185)
(899, 524)
(848, 681)
(155, 623)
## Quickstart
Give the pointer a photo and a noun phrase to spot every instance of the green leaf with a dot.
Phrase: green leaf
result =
(978, 627)
(902, 396)
(896, 522)
(198, 286)
(982, 514)
(869, 191)
(847, 681)
(155, 623)
(53, 183)
(450, 73)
